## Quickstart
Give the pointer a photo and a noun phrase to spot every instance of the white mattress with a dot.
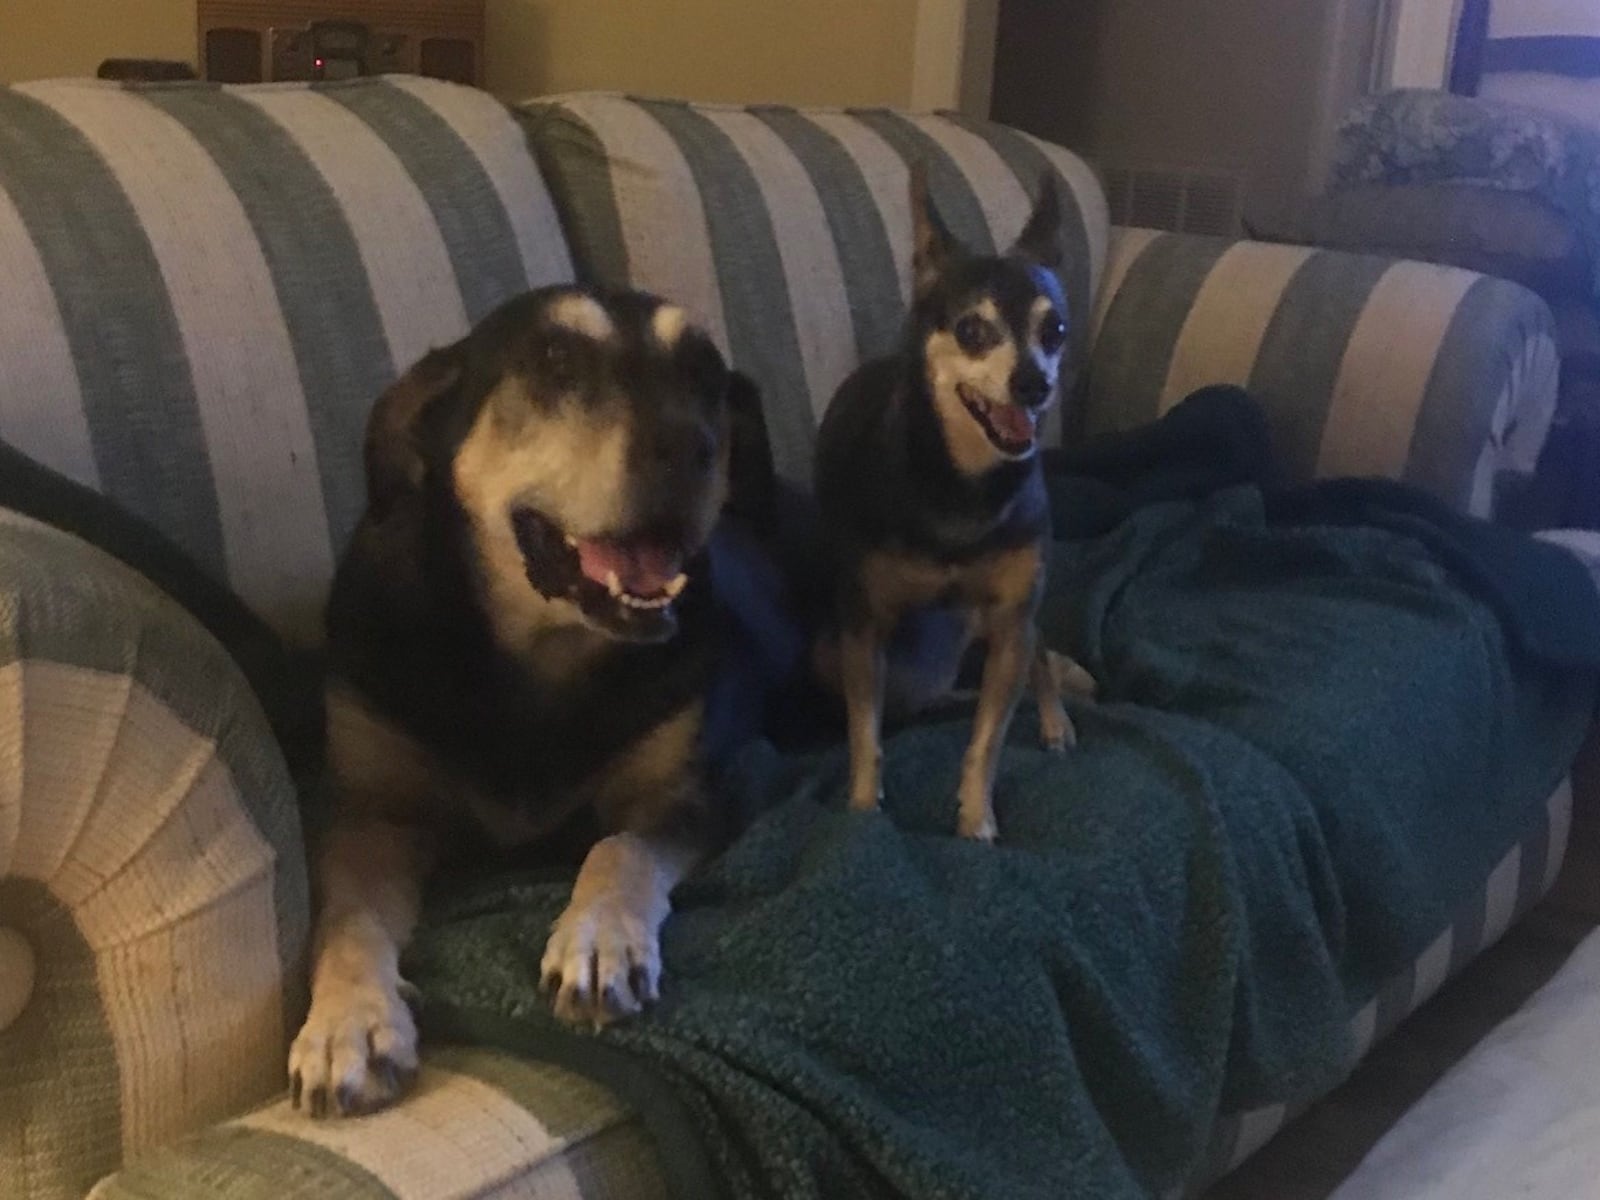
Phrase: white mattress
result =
(1517, 1119)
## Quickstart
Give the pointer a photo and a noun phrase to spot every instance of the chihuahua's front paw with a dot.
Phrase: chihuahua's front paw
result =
(975, 813)
(979, 826)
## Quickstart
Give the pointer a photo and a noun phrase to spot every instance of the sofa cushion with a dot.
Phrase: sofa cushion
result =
(479, 1125)
(488, 1125)
(1413, 136)
(207, 288)
(1513, 235)
(788, 231)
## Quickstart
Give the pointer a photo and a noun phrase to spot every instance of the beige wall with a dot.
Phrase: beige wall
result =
(789, 51)
(794, 51)
(43, 38)
(1251, 85)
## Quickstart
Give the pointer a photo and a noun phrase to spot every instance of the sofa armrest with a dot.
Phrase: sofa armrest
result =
(152, 874)
(1365, 365)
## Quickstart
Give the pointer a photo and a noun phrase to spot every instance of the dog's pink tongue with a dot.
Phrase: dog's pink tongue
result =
(1012, 422)
(641, 568)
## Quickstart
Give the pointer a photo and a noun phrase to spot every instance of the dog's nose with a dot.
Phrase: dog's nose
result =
(1029, 387)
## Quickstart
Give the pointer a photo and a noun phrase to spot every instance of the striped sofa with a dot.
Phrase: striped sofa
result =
(205, 288)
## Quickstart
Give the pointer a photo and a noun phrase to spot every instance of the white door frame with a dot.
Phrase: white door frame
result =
(1418, 45)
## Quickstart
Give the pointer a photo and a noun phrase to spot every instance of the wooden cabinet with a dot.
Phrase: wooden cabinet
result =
(251, 41)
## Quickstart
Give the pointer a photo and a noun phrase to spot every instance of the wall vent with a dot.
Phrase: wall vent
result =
(1184, 200)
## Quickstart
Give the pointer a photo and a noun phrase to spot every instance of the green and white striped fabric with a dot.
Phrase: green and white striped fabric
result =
(1366, 366)
(479, 1126)
(206, 288)
(788, 232)
(152, 877)
(1524, 875)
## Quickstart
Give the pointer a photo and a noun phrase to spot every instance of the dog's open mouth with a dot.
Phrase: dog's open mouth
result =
(627, 584)
(1009, 427)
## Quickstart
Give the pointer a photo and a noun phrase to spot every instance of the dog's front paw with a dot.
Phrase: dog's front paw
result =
(602, 963)
(975, 813)
(979, 825)
(357, 1051)
(1056, 730)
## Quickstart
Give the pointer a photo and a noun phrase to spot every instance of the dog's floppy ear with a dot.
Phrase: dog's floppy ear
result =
(394, 457)
(752, 481)
(1040, 238)
(932, 247)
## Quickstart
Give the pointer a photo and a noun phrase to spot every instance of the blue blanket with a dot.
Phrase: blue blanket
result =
(1318, 731)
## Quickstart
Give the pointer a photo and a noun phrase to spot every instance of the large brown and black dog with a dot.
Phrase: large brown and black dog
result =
(521, 645)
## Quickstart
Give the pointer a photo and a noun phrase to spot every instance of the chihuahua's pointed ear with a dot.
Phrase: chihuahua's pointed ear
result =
(394, 457)
(1040, 238)
(932, 247)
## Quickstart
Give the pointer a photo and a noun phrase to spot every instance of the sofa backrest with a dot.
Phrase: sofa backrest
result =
(202, 291)
(788, 232)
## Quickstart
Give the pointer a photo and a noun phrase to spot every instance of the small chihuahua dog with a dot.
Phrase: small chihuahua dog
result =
(929, 484)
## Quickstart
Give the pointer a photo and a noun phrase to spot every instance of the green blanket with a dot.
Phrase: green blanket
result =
(1314, 741)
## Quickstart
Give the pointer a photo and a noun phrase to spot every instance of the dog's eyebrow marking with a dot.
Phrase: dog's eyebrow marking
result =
(1049, 284)
(667, 324)
(1041, 306)
(582, 314)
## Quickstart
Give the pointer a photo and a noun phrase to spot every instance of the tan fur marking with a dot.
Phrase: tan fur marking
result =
(603, 958)
(1050, 364)
(1002, 590)
(667, 324)
(894, 583)
(862, 671)
(1011, 638)
(393, 459)
(358, 1047)
(641, 788)
(948, 367)
(582, 315)
(563, 463)
(1055, 727)
(378, 769)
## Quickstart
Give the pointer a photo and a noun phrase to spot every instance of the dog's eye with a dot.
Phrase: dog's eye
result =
(1052, 333)
(975, 335)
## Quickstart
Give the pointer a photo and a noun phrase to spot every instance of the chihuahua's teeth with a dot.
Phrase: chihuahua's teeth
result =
(572, 542)
(675, 588)
(613, 584)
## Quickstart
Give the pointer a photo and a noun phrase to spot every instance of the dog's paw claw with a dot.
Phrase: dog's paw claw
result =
(356, 1053)
(601, 964)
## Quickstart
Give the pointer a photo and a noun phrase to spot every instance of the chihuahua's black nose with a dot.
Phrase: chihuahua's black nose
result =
(1029, 386)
